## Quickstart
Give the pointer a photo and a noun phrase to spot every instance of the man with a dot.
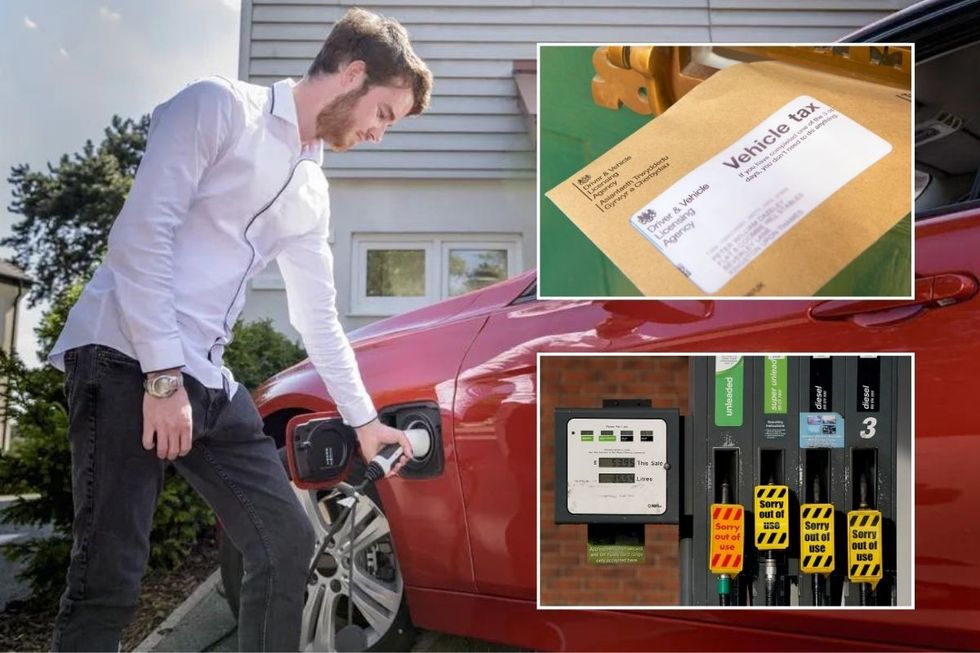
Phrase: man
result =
(231, 179)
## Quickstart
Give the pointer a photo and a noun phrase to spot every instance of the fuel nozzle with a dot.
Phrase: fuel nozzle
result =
(421, 441)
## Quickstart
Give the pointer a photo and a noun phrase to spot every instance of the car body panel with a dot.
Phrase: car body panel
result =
(470, 533)
(426, 515)
(515, 622)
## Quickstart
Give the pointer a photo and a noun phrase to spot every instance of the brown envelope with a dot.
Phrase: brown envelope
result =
(708, 121)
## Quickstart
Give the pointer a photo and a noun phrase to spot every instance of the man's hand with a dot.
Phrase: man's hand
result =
(374, 435)
(170, 421)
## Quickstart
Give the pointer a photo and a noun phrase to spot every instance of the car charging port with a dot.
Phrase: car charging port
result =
(418, 416)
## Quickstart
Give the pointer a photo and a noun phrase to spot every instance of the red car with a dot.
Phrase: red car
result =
(455, 551)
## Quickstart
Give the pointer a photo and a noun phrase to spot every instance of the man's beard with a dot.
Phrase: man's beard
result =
(334, 125)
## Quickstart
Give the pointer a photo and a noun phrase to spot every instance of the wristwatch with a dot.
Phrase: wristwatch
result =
(163, 385)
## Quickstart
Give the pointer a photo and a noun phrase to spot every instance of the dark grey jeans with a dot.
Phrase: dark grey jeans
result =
(116, 483)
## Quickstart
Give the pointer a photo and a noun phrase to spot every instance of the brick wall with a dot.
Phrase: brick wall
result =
(566, 576)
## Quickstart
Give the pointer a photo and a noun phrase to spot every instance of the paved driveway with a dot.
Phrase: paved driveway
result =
(204, 623)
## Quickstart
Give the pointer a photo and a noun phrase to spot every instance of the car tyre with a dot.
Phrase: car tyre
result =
(388, 628)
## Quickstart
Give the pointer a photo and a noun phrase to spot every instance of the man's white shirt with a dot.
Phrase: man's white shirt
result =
(224, 187)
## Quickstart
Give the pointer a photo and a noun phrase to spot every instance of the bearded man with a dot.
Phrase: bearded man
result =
(231, 179)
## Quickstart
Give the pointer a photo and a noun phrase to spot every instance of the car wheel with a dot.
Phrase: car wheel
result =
(380, 608)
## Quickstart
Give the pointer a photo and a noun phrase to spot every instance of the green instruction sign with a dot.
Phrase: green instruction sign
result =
(774, 392)
(615, 554)
(729, 381)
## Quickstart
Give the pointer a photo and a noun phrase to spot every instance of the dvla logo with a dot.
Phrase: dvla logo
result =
(646, 217)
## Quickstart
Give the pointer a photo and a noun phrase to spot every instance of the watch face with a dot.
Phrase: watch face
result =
(164, 385)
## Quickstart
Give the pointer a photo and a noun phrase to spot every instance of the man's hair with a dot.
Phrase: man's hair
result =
(382, 44)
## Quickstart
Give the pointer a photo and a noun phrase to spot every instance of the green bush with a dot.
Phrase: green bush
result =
(257, 351)
(40, 459)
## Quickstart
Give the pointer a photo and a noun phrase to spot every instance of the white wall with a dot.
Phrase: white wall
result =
(467, 165)
(8, 295)
(8, 306)
(466, 206)
(474, 127)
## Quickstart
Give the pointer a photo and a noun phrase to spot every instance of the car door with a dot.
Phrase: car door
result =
(495, 408)
(495, 412)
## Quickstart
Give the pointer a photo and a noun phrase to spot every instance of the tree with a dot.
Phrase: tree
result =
(69, 209)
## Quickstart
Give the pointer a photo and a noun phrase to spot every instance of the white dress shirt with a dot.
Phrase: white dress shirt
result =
(224, 187)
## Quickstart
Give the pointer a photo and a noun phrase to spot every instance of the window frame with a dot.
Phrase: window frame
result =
(363, 305)
(437, 247)
(446, 247)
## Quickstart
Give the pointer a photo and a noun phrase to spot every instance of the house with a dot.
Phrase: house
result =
(448, 202)
(13, 285)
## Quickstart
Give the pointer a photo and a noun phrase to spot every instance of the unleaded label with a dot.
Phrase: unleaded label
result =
(729, 379)
(719, 217)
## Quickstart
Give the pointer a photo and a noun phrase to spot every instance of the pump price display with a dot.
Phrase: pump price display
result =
(727, 541)
(864, 546)
(617, 478)
(817, 538)
(617, 466)
(617, 462)
(771, 517)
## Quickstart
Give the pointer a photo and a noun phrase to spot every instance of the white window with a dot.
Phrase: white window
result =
(396, 273)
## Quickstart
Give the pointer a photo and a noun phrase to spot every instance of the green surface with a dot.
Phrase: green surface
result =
(774, 378)
(575, 131)
(615, 554)
(729, 392)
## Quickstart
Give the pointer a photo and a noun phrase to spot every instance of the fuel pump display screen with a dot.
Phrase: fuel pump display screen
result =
(617, 462)
(640, 489)
(617, 478)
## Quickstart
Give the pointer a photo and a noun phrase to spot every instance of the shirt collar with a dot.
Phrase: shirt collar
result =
(284, 107)
(314, 152)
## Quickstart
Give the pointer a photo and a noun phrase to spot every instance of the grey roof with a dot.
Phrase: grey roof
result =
(10, 272)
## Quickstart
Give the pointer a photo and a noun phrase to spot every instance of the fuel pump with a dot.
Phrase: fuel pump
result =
(817, 541)
(864, 564)
(727, 542)
(772, 535)
(820, 447)
(817, 516)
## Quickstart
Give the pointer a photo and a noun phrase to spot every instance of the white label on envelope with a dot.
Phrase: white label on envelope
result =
(725, 212)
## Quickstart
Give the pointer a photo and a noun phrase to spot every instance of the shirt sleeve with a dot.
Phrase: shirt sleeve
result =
(306, 264)
(186, 135)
